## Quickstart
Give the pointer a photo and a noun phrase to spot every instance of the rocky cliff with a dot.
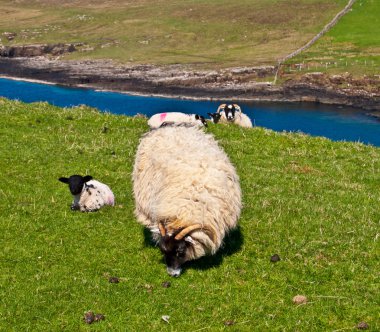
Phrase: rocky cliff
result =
(247, 83)
(34, 50)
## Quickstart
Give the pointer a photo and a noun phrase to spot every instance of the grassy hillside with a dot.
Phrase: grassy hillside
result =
(214, 33)
(312, 201)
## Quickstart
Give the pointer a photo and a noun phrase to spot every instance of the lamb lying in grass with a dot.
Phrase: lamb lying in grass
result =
(161, 119)
(89, 195)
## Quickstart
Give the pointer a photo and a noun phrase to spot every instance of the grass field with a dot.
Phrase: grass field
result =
(214, 33)
(353, 45)
(312, 201)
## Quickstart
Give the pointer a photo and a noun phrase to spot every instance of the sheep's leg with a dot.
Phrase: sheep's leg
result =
(74, 207)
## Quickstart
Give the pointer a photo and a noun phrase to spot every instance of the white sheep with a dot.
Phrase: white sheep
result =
(89, 195)
(231, 113)
(159, 119)
(187, 193)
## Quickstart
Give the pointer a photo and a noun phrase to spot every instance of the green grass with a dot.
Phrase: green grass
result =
(312, 201)
(353, 45)
(214, 33)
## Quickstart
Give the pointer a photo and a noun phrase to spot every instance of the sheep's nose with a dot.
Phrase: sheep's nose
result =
(174, 272)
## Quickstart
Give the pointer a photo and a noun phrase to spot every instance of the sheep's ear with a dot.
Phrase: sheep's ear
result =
(87, 178)
(189, 239)
(203, 120)
(64, 180)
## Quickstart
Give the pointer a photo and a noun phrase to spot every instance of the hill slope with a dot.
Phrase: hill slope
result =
(312, 201)
(351, 46)
(210, 34)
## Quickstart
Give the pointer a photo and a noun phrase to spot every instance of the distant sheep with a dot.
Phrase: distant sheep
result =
(186, 191)
(89, 195)
(157, 120)
(231, 113)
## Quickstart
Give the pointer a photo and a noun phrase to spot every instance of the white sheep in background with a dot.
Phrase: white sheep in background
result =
(231, 113)
(159, 119)
(187, 193)
(89, 195)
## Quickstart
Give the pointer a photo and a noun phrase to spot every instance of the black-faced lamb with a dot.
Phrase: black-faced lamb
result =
(187, 193)
(231, 113)
(89, 195)
(159, 119)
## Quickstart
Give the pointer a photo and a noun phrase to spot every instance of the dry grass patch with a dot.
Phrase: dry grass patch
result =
(214, 33)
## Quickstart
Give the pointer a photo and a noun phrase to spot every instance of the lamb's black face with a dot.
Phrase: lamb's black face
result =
(174, 252)
(230, 110)
(215, 117)
(76, 183)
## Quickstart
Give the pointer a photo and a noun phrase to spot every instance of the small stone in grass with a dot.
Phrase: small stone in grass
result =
(149, 288)
(275, 258)
(141, 116)
(89, 317)
(299, 299)
(99, 317)
(166, 284)
(362, 326)
(229, 322)
(114, 280)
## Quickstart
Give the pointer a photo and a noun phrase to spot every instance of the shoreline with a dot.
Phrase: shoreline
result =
(179, 82)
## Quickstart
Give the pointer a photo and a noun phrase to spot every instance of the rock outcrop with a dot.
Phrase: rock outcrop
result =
(18, 51)
(236, 84)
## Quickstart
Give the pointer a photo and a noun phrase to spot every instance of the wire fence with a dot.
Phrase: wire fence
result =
(316, 37)
(325, 65)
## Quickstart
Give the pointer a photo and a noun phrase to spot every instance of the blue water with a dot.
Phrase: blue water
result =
(336, 123)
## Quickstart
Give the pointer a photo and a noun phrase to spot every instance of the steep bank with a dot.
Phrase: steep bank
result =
(244, 83)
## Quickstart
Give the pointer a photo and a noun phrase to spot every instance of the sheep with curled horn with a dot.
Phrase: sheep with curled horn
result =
(186, 192)
(231, 113)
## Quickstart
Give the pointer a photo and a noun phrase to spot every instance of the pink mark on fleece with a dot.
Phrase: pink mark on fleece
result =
(163, 116)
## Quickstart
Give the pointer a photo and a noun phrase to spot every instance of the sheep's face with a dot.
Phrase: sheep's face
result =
(76, 183)
(215, 117)
(230, 110)
(175, 252)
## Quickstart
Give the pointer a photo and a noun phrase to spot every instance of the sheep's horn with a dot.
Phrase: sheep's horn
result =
(191, 228)
(220, 107)
(237, 107)
(187, 230)
(162, 229)
(210, 231)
